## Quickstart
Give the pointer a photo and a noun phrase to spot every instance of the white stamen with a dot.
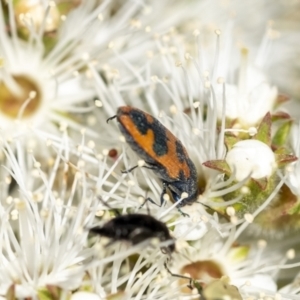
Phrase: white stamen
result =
(290, 254)
(141, 163)
(249, 218)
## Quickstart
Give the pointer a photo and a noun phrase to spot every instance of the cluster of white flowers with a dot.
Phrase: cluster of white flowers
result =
(204, 69)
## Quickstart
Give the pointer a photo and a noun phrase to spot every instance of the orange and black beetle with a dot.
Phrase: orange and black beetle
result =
(163, 153)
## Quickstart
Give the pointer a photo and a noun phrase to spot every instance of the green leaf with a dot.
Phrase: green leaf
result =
(264, 130)
(282, 134)
(230, 140)
(238, 254)
(44, 294)
(50, 292)
(295, 210)
(66, 7)
(219, 165)
(258, 192)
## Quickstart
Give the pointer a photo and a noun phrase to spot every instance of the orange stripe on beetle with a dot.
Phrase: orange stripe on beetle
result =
(169, 158)
(161, 150)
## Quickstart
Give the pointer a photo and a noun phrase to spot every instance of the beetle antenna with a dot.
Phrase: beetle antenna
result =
(111, 118)
(192, 282)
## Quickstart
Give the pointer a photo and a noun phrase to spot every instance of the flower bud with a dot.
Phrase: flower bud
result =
(251, 157)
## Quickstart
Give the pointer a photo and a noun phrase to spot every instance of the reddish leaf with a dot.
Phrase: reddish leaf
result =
(281, 98)
(280, 115)
(220, 165)
(262, 182)
(284, 159)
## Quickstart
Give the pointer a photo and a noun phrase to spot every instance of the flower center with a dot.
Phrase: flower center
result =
(205, 270)
(21, 104)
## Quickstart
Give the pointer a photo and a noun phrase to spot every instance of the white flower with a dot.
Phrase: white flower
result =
(250, 104)
(192, 228)
(212, 257)
(42, 86)
(251, 158)
(42, 226)
(258, 281)
(45, 206)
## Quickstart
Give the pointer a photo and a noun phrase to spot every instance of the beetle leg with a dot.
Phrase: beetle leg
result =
(175, 196)
(182, 213)
(177, 275)
(150, 200)
(162, 200)
(129, 170)
(191, 284)
(132, 168)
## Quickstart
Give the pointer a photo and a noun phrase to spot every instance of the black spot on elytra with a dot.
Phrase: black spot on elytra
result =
(140, 121)
(179, 151)
(160, 146)
(181, 176)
